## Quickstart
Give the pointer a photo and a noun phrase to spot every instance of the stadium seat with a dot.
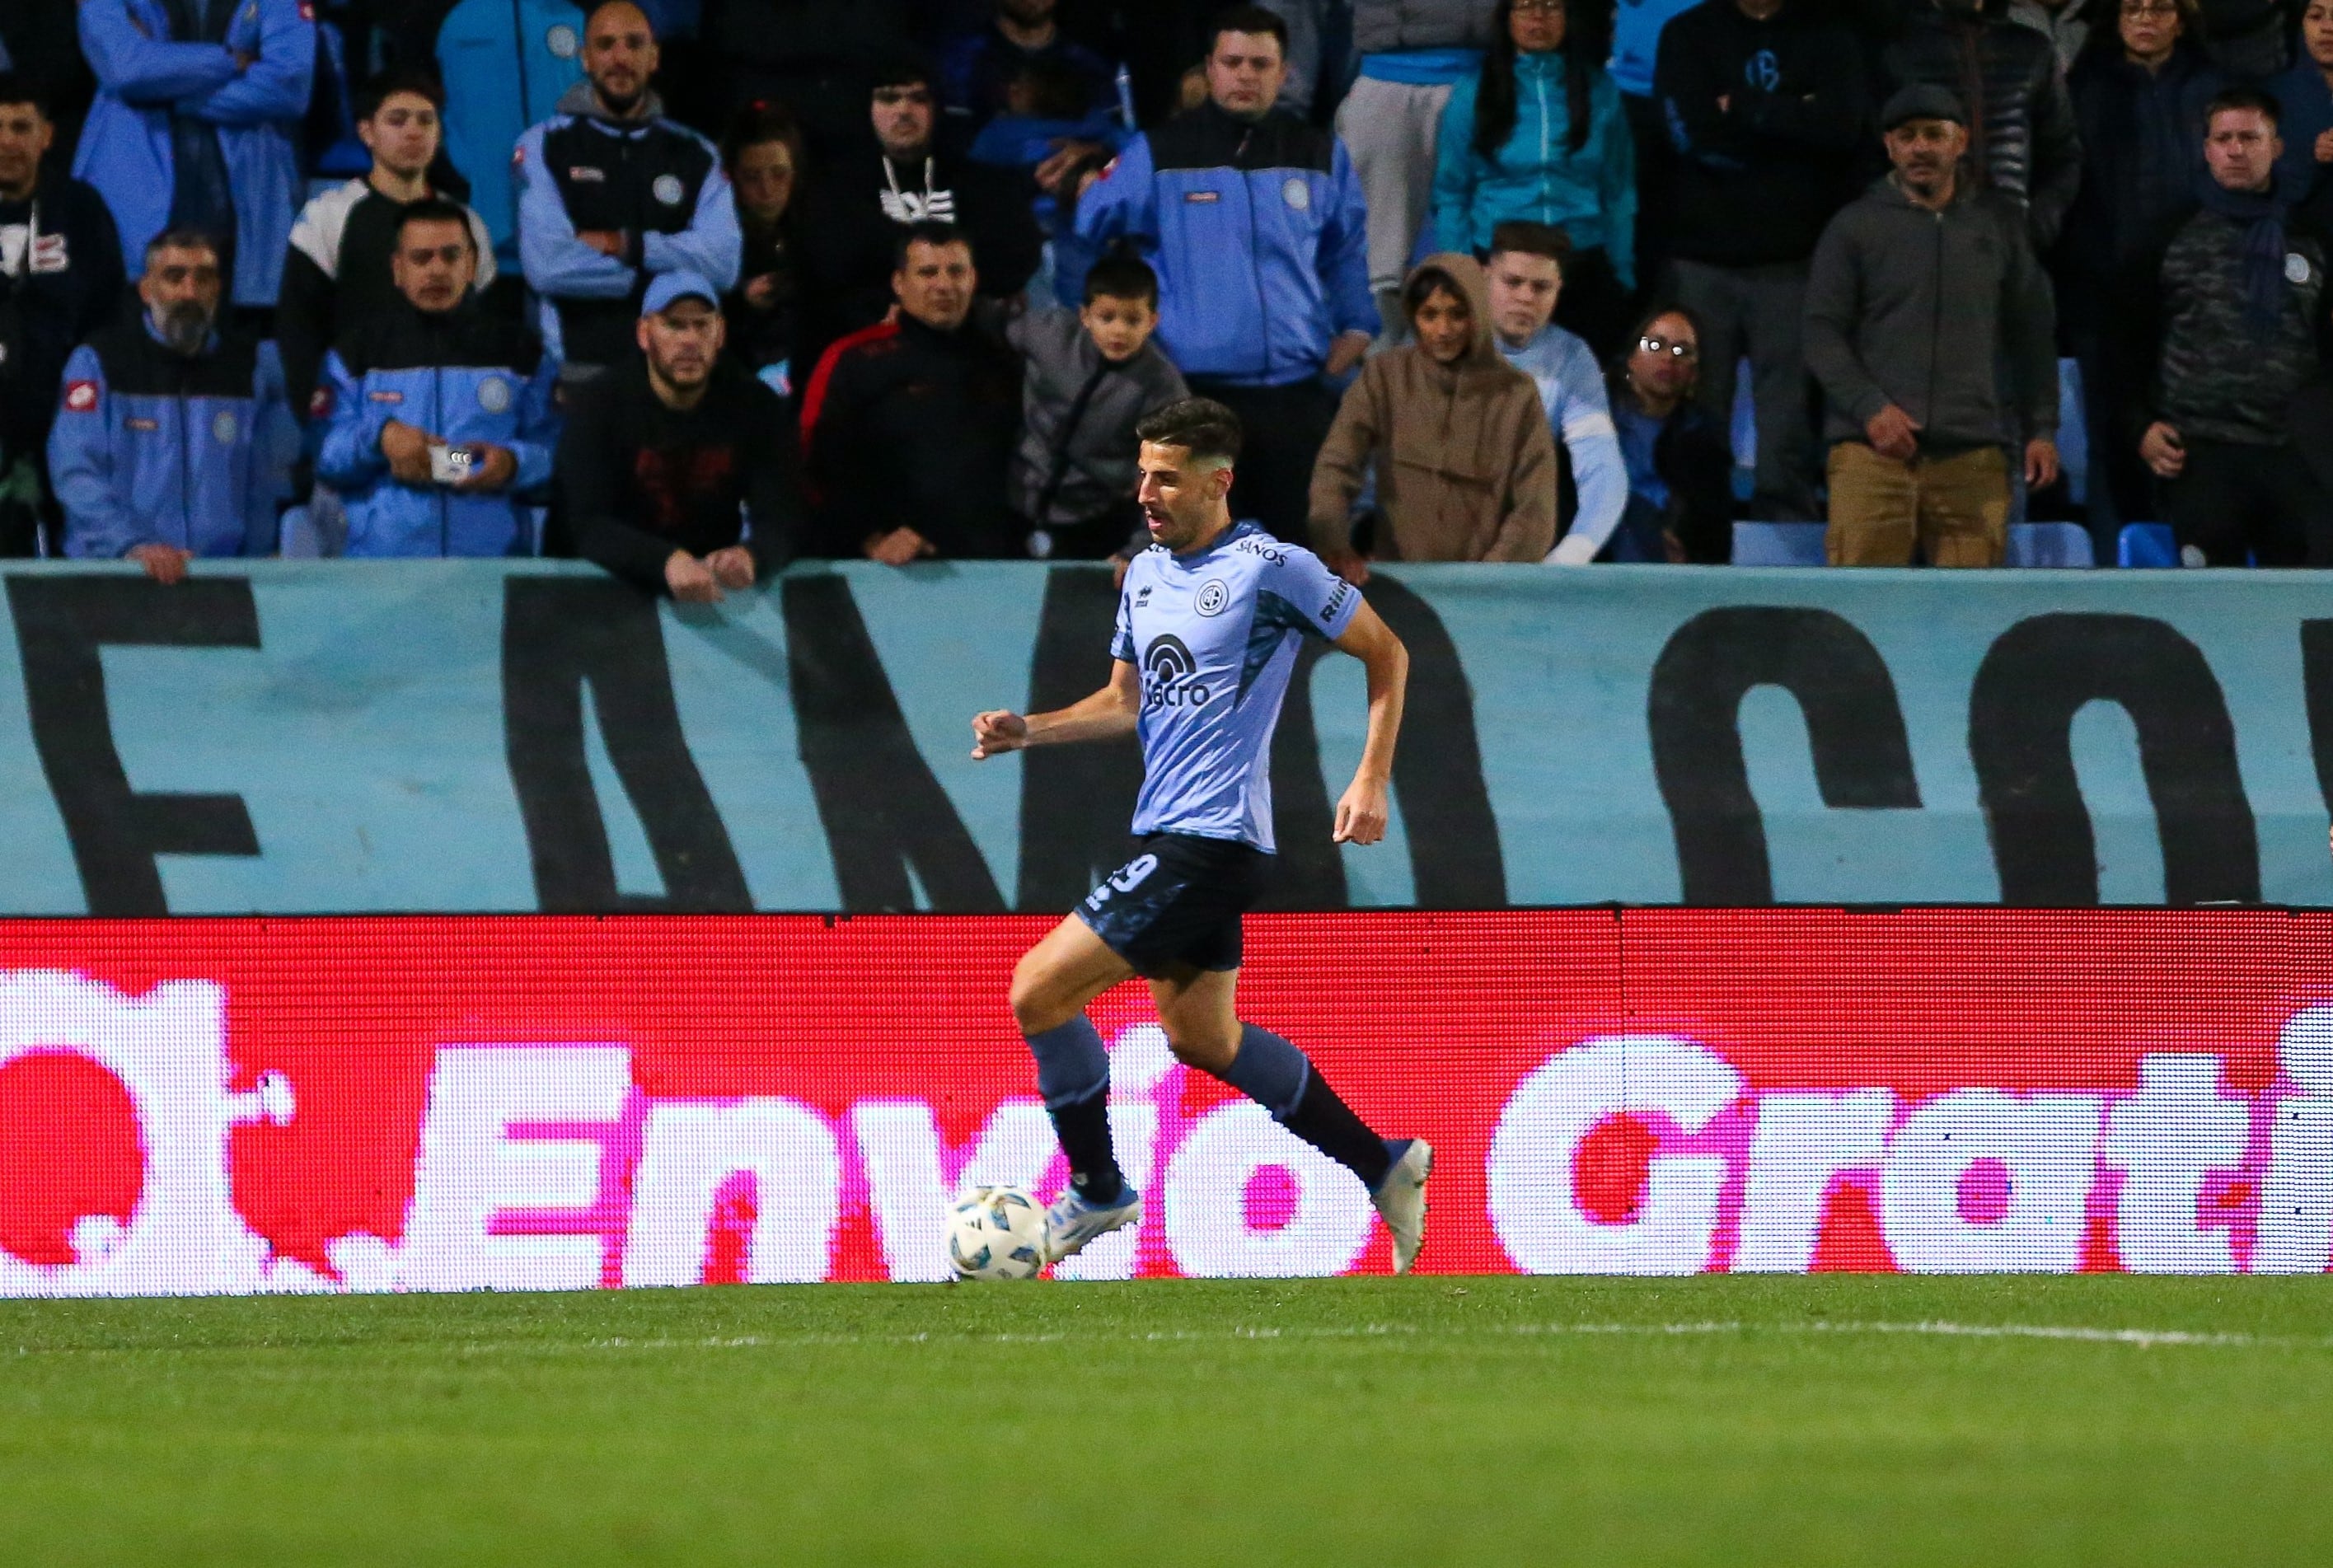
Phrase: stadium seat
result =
(1779, 544)
(2058, 544)
(2146, 544)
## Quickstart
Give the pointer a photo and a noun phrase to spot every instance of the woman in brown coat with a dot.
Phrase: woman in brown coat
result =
(1466, 466)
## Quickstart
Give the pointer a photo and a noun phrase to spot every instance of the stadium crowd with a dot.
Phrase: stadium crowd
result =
(694, 287)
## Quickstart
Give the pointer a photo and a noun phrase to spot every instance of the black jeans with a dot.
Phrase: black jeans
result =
(2232, 501)
(1283, 428)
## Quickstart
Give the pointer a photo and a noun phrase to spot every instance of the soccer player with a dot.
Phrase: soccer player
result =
(1209, 622)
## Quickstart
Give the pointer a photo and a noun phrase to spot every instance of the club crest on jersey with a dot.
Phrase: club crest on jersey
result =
(667, 189)
(560, 41)
(81, 396)
(225, 427)
(1213, 595)
(1297, 193)
(494, 395)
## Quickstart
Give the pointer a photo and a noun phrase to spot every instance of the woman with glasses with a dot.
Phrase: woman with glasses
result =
(2138, 91)
(1540, 136)
(1680, 466)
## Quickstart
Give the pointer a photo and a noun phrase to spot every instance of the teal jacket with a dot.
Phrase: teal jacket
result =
(1591, 194)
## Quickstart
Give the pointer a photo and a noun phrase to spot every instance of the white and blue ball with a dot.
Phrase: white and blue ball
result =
(996, 1233)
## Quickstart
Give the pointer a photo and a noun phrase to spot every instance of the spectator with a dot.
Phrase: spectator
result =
(41, 40)
(2304, 102)
(506, 64)
(337, 268)
(2232, 331)
(677, 470)
(978, 70)
(2066, 24)
(909, 427)
(1088, 378)
(814, 56)
(866, 195)
(172, 439)
(1526, 279)
(2023, 145)
(1256, 222)
(1411, 55)
(1539, 135)
(1638, 28)
(1767, 100)
(440, 413)
(2138, 91)
(196, 126)
(60, 280)
(1922, 290)
(1455, 436)
(612, 195)
(1680, 465)
(764, 155)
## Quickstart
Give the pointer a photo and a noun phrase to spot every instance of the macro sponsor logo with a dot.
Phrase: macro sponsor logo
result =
(540, 1103)
(1170, 675)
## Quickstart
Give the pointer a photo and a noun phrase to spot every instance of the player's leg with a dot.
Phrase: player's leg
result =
(1198, 1009)
(1051, 984)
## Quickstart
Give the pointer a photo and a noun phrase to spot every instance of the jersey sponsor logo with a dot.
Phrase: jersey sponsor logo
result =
(560, 41)
(494, 395)
(1213, 595)
(1336, 601)
(1170, 675)
(81, 396)
(386, 396)
(1267, 548)
(668, 189)
(1296, 194)
(1142, 597)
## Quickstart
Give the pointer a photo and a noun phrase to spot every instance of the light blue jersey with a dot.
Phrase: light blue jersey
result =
(1214, 635)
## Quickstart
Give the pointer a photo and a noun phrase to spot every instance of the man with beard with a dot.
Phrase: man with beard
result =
(60, 280)
(863, 199)
(172, 439)
(663, 457)
(909, 427)
(612, 196)
(1920, 292)
(337, 274)
(440, 413)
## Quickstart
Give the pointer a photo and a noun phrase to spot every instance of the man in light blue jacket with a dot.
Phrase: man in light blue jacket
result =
(1255, 224)
(198, 107)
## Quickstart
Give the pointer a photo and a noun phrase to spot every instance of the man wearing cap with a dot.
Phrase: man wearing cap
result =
(437, 413)
(678, 469)
(612, 195)
(1918, 292)
(861, 201)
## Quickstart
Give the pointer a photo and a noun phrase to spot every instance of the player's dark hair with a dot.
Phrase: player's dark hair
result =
(1522, 237)
(1122, 278)
(23, 86)
(929, 232)
(435, 210)
(2236, 98)
(1201, 426)
(1248, 19)
(423, 85)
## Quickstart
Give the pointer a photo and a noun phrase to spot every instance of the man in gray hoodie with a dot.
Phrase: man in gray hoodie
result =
(1920, 290)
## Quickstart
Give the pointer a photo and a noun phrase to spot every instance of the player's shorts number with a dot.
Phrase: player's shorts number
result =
(1125, 879)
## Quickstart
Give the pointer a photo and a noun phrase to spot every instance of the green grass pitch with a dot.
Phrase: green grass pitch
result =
(1379, 1423)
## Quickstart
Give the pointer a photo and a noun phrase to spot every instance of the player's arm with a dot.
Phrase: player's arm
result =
(1105, 715)
(1362, 810)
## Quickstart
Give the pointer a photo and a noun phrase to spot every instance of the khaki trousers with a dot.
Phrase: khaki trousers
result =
(1954, 508)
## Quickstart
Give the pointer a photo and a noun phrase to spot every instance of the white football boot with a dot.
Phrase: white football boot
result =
(1071, 1224)
(1401, 1197)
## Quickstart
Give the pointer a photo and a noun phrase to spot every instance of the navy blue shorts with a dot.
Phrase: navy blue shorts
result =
(1178, 902)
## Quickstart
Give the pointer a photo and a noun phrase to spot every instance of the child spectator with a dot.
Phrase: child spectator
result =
(1089, 377)
(1457, 438)
(764, 155)
(1526, 273)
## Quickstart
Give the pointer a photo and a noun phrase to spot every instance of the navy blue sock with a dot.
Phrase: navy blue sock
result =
(1278, 1076)
(1073, 1076)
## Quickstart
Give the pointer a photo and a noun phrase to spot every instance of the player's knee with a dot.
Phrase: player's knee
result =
(1037, 1002)
(1206, 1047)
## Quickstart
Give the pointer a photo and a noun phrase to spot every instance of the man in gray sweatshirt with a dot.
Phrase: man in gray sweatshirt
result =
(1920, 292)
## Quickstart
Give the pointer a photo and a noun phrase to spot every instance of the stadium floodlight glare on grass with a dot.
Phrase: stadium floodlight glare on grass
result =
(1789, 1421)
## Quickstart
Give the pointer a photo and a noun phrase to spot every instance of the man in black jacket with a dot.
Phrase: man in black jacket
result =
(663, 457)
(1766, 103)
(859, 202)
(60, 280)
(2022, 138)
(909, 427)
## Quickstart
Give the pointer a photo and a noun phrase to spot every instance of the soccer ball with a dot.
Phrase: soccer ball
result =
(996, 1233)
